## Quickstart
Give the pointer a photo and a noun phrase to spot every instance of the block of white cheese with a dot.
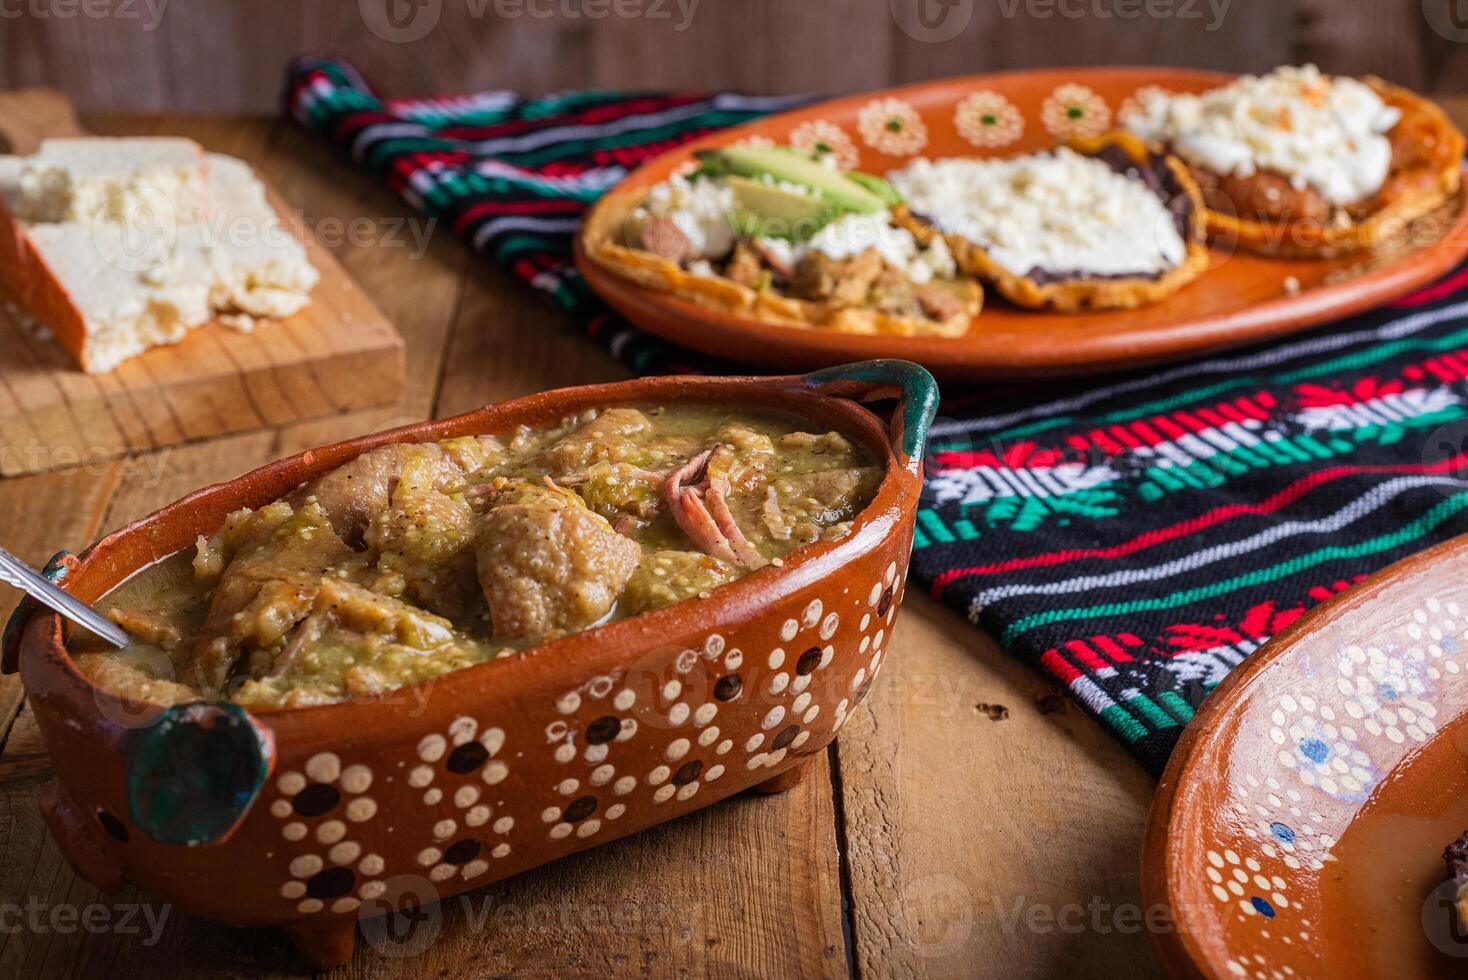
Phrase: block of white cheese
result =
(111, 287)
(123, 304)
(260, 269)
(106, 289)
(89, 177)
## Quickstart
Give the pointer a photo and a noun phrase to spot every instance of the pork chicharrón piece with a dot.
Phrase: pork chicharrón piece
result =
(277, 558)
(616, 435)
(272, 560)
(357, 491)
(340, 603)
(548, 564)
(424, 540)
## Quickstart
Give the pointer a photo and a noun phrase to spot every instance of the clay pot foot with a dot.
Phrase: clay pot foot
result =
(786, 780)
(325, 945)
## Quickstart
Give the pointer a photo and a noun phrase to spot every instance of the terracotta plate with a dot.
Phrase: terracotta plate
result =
(1299, 828)
(1242, 298)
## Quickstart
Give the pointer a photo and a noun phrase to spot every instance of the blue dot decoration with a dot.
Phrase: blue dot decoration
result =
(1282, 832)
(1314, 749)
(1262, 907)
(1389, 691)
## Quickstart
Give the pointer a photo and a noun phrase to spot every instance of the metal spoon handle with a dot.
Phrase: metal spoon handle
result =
(28, 580)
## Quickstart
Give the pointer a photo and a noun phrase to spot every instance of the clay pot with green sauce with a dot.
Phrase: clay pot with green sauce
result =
(313, 818)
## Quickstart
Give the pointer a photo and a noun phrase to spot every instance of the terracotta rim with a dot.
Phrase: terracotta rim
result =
(101, 567)
(1114, 344)
(1179, 949)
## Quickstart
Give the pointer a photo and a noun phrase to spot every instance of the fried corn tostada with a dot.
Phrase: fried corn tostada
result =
(776, 235)
(1101, 223)
(1297, 163)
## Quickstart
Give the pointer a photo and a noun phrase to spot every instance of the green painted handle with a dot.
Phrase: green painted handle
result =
(55, 571)
(193, 774)
(913, 387)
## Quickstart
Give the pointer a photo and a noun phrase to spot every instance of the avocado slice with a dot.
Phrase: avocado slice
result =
(782, 163)
(890, 195)
(770, 211)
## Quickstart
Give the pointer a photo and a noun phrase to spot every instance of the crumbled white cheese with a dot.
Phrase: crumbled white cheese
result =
(851, 234)
(81, 179)
(783, 249)
(700, 208)
(1059, 212)
(260, 268)
(242, 322)
(1326, 133)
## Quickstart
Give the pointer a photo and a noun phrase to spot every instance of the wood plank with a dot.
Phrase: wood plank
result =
(108, 53)
(743, 889)
(337, 354)
(509, 342)
(412, 267)
(766, 46)
(228, 55)
(1386, 39)
(34, 115)
(962, 825)
(1003, 36)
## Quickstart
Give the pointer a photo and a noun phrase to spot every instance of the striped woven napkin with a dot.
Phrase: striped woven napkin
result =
(1135, 538)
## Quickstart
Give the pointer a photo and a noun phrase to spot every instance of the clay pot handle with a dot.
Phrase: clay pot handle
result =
(54, 572)
(913, 387)
(194, 772)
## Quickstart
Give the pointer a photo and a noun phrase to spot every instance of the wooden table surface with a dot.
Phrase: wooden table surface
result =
(969, 822)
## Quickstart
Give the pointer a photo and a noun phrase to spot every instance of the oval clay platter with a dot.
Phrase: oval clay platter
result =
(1299, 828)
(1240, 299)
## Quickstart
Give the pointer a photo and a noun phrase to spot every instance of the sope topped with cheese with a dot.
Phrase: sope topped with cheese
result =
(1058, 213)
(1326, 133)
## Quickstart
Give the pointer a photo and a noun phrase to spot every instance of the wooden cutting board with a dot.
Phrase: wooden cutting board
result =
(338, 353)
